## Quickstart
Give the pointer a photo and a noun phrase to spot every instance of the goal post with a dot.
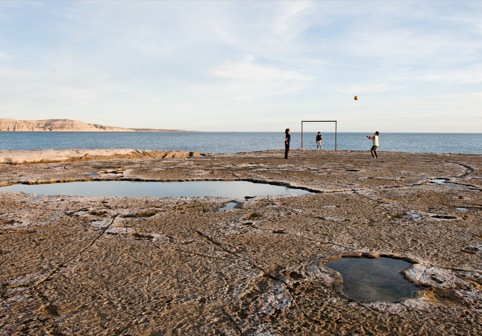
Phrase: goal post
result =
(320, 121)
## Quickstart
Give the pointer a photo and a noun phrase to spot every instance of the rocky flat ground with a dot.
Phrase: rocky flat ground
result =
(74, 265)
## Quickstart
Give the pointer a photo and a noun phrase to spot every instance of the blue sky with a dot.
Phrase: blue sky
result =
(223, 65)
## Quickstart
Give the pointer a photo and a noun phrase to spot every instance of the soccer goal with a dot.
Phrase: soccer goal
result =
(320, 121)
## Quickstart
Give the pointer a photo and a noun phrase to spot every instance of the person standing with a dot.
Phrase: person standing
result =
(319, 140)
(287, 142)
(375, 145)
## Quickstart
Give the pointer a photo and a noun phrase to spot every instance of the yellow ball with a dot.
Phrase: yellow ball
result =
(356, 98)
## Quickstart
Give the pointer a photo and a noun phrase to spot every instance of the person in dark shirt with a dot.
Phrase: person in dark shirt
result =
(319, 140)
(287, 142)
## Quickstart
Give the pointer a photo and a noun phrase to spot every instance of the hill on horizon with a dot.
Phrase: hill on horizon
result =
(65, 125)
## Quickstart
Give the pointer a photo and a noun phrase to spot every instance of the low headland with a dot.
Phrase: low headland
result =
(66, 125)
(73, 265)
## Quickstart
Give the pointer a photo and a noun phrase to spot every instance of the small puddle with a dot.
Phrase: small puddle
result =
(448, 182)
(229, 206)
(440, 181)
(374, 279)
(231, 189)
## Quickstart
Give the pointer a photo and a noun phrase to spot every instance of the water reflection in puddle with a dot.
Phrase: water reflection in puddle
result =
(229, 206)
(374, 279)
(232, 189)
(440, 180)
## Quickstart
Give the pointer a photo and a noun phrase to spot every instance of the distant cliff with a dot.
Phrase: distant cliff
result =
(64, 125)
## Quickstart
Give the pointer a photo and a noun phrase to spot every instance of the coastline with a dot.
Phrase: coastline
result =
(65, 125)
(144, 265)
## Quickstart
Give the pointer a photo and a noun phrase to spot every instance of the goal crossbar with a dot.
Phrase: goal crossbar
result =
(320, 121)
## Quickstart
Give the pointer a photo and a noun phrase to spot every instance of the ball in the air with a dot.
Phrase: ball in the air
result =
(356, 97)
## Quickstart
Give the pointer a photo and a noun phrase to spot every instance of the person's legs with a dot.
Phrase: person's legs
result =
(287, 149)
(373, 151)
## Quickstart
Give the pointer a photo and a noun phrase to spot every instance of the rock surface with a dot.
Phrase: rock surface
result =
(59, 155)
(74, 265)
(63, 125)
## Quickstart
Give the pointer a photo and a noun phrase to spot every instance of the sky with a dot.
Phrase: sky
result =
(263, 65)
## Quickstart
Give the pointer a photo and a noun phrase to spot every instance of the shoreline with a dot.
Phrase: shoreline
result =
(146, 265)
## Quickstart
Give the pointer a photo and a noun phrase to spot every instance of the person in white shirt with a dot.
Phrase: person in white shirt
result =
(375, 145)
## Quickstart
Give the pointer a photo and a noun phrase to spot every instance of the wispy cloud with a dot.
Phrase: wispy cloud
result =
(247, 79)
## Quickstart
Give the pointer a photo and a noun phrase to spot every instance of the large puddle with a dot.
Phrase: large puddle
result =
(374, 279)
(231, 189)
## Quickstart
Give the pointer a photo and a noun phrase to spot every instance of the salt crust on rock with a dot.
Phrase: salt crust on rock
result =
(74, 265)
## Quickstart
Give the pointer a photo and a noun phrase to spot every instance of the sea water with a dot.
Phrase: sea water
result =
(235, 142)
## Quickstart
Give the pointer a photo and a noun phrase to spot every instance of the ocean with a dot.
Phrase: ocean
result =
(235, 142)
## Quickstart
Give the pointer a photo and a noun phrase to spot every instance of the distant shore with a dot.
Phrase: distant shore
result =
(66, 125)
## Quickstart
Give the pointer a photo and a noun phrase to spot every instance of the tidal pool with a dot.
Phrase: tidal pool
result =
(374, 279)
(232, 189)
